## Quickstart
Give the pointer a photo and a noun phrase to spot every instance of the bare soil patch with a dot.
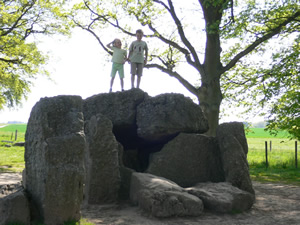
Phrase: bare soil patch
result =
(275, 204)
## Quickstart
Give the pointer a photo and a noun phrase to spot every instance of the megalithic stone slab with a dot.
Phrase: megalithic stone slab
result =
(102, 161)
(119, 107)
(15, 208)
(162, 198)
(233, 147)
(54, 147)
(164, 116)
(188, 159)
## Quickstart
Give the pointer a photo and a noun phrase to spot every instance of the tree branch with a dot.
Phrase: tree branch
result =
(105, 19)
(174, 74)
(25, 10)
(13, 61)
(256, 43)
(196, 63)
(95, 35)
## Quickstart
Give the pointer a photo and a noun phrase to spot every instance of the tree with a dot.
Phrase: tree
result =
(20, 60)
(275, 85)
(213, 37)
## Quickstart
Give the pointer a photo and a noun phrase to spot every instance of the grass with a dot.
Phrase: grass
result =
(8, 133)
(261, 133)
(81, 222)
(281, 158)
(12, 158)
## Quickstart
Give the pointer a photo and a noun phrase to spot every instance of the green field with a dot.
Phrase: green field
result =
(261, 133)
(281, 159)
(8, 132)
(12, 158)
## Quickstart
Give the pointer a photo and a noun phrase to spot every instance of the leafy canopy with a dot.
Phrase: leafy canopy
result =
(266, 82)
(21, 22)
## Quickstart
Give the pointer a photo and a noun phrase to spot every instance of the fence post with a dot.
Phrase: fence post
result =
(270, 146)
(296, 160)
(16, 135)
(266, 147)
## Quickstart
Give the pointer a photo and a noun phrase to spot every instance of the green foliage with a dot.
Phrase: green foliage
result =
(273, 87)
(20, 60)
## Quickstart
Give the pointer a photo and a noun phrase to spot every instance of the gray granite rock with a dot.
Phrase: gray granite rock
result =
(233, 147)
(54, 146)
(102, 182)
(162, 198)
(188, 159)
(14, 209)
(222, 197)
(169, 203)
(162, 117)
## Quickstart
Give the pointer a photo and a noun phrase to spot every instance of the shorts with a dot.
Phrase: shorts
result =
(137, 68)
(117, 67)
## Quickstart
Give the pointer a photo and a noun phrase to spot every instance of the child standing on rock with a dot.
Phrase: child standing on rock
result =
(118, 59)
(138, 53)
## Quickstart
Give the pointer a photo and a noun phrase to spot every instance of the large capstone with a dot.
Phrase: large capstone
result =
(120, 108)
(162, 117)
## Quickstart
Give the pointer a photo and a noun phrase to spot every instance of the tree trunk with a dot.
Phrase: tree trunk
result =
(210, 98)
(209, 95)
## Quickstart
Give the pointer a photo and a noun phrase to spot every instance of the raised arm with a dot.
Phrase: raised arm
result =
(109, 45)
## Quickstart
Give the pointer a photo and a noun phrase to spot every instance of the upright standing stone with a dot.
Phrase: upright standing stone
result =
(101, 161)
(233, 146)
(54, 148)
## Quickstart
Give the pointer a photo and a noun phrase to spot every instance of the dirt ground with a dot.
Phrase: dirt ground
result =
(275, 204)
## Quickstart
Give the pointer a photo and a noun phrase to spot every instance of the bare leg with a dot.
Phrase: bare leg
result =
(138, 81)
(111, 83)
(132, 80)
(122, 83)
